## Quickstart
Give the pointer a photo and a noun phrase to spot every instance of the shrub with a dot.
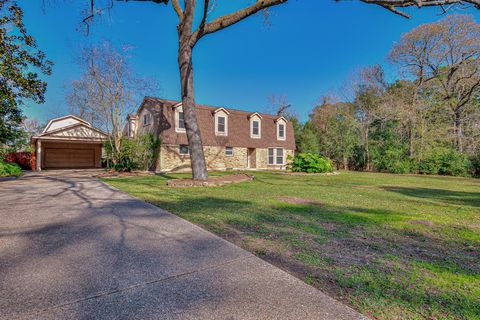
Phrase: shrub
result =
(394, 161)
(138, 153)
(310, 163)
(9, 169)
(475, 165)
(445, 161)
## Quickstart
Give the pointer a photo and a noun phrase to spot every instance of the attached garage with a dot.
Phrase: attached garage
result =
(69, 143)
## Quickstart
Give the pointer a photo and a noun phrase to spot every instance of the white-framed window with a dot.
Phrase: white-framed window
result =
(221, 125)
(276, 156)
(271, 156)
(281, 129)
(221, 122)
(184, 150)
(147, 119)
(229, 151)
(255, 126)
(179, 119)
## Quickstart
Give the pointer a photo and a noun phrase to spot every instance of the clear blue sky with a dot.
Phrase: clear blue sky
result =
(309, 49)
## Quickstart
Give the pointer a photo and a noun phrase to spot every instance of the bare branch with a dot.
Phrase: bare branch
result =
(395, 5)
(232, 18)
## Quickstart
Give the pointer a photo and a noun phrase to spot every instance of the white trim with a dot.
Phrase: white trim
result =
(232, 154)
(255, 114)
(221, 109)
(178, 109)
(275, 156)
(282, 122)
(63, 118)
(184, 154)
(223, 115)
(259, 120)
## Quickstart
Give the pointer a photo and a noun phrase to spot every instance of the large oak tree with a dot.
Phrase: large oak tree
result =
(189, 35)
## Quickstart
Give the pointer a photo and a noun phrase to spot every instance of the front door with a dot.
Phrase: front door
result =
(251, 158)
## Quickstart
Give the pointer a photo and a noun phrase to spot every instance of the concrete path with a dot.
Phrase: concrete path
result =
(72, 247)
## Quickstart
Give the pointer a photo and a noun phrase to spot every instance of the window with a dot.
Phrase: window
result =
(147, 119)
(181, 120)
(271, 156)
(221, 122)
(229, 151)
(281, 130)
(184, 150)
(255, 128)
(279, 156)
(276, 156)
(221, 125)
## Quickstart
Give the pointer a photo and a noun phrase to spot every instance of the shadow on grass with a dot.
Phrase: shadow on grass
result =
(454, 197)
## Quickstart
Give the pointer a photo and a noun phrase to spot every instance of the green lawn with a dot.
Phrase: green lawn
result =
(391, 246)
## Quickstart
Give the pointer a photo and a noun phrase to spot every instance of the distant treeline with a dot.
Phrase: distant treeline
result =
(427, 121)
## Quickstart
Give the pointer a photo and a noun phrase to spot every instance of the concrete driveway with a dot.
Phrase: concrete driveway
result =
(72, 247)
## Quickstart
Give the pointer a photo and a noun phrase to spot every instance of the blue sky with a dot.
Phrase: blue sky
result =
(308, 50)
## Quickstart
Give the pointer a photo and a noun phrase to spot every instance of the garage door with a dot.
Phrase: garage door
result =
(58, 158)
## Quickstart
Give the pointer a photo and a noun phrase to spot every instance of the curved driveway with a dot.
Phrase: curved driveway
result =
(72, 247)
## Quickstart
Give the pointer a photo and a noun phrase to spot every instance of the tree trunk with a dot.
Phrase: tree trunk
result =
(458, 130)
(199, 168)
(367, 150)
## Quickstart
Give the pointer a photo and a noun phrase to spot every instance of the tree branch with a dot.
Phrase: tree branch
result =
(232, 18)
(395, 5)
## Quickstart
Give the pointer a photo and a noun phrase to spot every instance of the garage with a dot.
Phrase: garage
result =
(68, 143)
(58, 156)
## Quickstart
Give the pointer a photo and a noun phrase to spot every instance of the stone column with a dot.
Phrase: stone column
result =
(39, 155)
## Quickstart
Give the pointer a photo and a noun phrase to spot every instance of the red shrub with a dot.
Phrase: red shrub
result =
(23, 159)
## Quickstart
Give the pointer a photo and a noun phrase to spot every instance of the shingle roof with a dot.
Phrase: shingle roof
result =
(238, 126)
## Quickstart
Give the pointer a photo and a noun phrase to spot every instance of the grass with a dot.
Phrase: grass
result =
(391, 246)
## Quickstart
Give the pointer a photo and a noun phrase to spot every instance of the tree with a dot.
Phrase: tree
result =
(369, 87)
(19, 60)
(445, 55)
(189, 36)
(107, 90)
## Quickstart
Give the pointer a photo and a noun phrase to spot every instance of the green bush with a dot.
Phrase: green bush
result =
(394, 161)
(137, 153)
(445, 161)
(475, 165)
(310, 163)
(10, 169)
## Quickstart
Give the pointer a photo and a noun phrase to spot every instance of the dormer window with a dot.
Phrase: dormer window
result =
(147, 119)
(221, 122)
(281, 128)
(179, 119)
(221, 125)
(255, 126)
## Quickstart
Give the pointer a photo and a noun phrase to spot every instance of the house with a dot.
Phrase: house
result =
(232, 139)
(68, 143)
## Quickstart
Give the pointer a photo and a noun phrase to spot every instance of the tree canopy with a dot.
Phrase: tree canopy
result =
(20, 62)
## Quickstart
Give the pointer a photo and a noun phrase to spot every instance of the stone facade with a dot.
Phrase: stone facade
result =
(170, 159)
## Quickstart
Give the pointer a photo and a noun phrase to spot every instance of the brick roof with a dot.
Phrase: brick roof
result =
(238, 126)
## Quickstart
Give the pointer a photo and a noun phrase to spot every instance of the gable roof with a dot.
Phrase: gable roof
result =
(238, 126)
(77, 129)
(64, 118)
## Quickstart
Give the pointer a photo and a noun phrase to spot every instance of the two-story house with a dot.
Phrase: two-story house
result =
(232, 139)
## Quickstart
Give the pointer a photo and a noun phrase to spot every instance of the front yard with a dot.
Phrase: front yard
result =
(391, 246)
